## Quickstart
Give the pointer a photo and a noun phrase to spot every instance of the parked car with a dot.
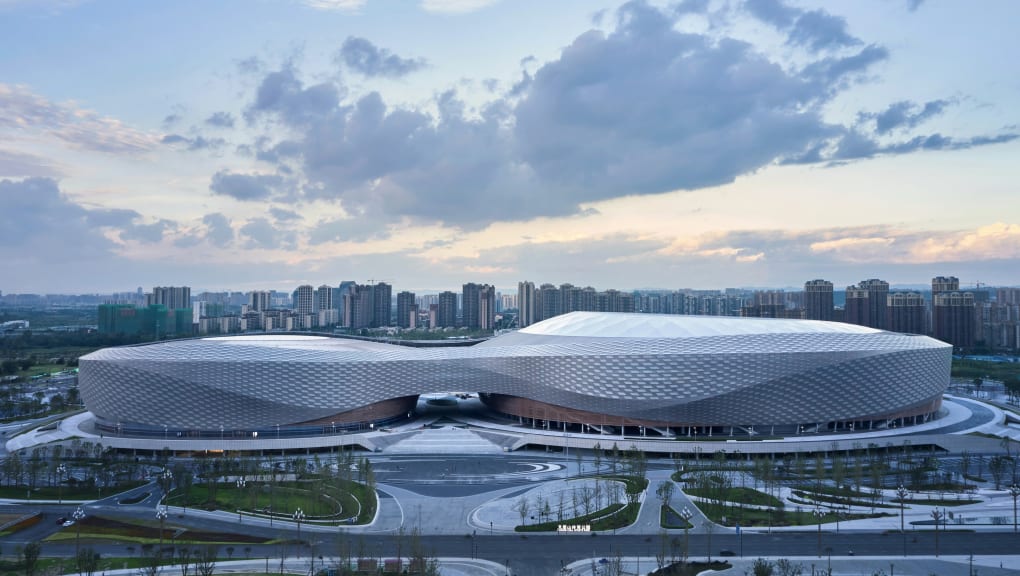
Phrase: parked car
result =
(61, 520)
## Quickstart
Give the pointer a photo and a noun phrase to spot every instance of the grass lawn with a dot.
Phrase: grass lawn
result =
(325, 502)
(737, 494)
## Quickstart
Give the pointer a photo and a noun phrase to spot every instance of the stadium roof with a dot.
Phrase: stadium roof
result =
(617, 325)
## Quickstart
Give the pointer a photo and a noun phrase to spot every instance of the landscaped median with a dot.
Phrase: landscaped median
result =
(614, 516)
(94, 529)
(323, 501)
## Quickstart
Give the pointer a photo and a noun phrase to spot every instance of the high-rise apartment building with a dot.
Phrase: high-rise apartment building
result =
(173, 297)
(407, 310)
(478, 306)
(525, 304)
(905, 312)
(383, 296)
(324, 298)
(818, 303)
(549, 302)
(953, 316)
(258, 301)
(470, 305)
(866, 303)
(487, 308)
(446, 311)
(304, 299)
(941, 285)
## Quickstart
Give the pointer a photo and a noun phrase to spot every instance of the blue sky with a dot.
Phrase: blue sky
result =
(704, 143)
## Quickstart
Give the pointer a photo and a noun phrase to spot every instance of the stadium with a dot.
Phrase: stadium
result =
(638, 374)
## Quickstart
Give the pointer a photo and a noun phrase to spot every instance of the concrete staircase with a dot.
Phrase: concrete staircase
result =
(445, 440)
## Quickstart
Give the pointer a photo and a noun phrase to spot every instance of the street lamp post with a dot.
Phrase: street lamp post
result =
(161, 516)
(61, 469)
(1014, 491)
(299, 515)
(937, 515)
(77, 516)
(686, 514)
(167, 477)
(819, 514)
(901, 493)
(241, 483)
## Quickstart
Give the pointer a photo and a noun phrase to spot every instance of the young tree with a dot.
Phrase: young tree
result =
(762, 567)
(30, 557)
(205, 562)
(664, 492)
(87, 561)
(522, 506)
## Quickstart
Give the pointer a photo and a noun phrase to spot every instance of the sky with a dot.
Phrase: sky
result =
(263, 144)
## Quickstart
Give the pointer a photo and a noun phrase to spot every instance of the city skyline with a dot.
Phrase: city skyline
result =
(699, 144)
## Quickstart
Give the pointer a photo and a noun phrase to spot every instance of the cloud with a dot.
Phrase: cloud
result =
(814, 29)
(644, 108)
(39, 225)
(221, 120)
(455, 6)
(283, 215)
(192, 144)
(218, 229)
(22, 111)
(369, 60)
(261, 233)
(913, 5)
(19, 164)
(281, 92)
(335, 5)
(246, 186)
(148, 233)
(905, 114)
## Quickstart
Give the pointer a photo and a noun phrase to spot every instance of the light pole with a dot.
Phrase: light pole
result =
(77, 515)
(299, 515)
(1014, 491)
(937, 515)
(686, 515)
(161, 516)
(61, 469)
(902, 493)
(819, 514)
(167, 477)
(708, 529)
(241, 483)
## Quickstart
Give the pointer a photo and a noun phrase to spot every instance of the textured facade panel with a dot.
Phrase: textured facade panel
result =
(704, 372)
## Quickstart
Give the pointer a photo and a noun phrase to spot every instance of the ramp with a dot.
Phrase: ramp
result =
(445, 440)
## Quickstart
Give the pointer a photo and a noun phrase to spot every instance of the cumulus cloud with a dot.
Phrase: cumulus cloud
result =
(814, 29)
(19, 164)
(365, 58)
(221, 120)
(338, 5)
(193, 143)
(281, 92)
(644, 108)
(151, 233)
(246, 186)
(41, 225)
(218, 229)
(283, 215)
(261, 233)
(455, 6)
(22, 111)
(905, 115)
